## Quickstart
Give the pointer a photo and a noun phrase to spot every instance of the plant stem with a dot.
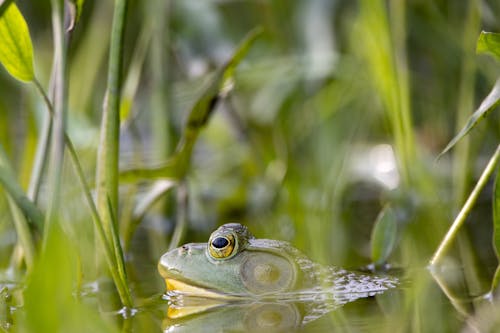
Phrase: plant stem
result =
(60, 108)
(461, 307)
(462, 154)
(108, 151)
(120, 282)
(42, 149)
(182, 208)
(110, 258)
(460, 219)
(401, 114)
(107, 159)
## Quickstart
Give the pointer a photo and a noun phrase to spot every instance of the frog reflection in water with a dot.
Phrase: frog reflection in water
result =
(234, 264)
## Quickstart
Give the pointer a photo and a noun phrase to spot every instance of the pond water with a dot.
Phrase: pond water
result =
(419, 300)
(280, 313)
(398, 309)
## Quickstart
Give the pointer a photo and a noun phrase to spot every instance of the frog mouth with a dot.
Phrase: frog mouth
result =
(201, 299)
(184, 288)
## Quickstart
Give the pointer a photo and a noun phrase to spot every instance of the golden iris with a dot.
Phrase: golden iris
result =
(221, 246)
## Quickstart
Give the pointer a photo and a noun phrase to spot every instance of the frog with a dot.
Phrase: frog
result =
(234, 264)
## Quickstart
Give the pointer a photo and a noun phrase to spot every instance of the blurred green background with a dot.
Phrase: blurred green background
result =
(339, 108)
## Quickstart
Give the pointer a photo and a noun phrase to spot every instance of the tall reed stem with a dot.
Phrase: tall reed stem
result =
(107, 161)
(108, 151)
(464, 212)
(60, 106)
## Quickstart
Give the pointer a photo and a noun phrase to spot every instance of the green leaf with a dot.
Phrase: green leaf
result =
(74, 12)
(23, 232)
(79, 8)
(496, 228)
(158, 190)
(16, 50)
(384, 235)
(201, 111)
(123, 288)
(52, 283)
(3, 6)
(177, 165)
(489, 43)
(489, 103)
(12, 187)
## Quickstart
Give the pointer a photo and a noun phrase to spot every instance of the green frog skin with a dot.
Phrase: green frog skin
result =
(234, 264)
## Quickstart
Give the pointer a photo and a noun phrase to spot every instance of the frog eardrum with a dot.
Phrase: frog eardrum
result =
(267, 273)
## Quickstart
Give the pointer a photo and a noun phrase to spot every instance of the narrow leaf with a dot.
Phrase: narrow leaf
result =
(23, 233)
(16, 50)
(109, 145)
(134, 75)
(157, 191)
(496, 228)
(178, 164)
(496, 216)
(383, 235)
(79, 7)
(12, 187)
(489, 43)
(489, 103)
(73, 12)
(119, 258)
(203, 107)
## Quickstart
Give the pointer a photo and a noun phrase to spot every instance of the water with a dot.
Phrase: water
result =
(423, 302)
(420, 304)
(293, 311)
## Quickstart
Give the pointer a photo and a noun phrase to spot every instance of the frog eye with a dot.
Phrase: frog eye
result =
(221, 247)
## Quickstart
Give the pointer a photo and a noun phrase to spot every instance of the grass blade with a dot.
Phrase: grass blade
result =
(16, 53)
(177, 166)
(383, 50)
(121, 285)
(132, 82)
(60, 104)
(159, 189)
(9, 183)
(466, 208)
(75, 11)
(496, 228)
(107, 156)
(182, 216)
(489, 103)
(99, 225)
(123, 289)
(23, 233)
(489, 43)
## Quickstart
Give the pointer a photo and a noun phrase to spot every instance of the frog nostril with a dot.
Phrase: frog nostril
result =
(183, 250)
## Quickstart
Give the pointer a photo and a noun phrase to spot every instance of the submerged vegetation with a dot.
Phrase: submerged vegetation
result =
(363, 132)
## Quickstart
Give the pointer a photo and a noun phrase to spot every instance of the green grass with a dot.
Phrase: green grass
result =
(325, 117)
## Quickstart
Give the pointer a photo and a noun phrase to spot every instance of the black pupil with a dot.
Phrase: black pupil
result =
(220, 242)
